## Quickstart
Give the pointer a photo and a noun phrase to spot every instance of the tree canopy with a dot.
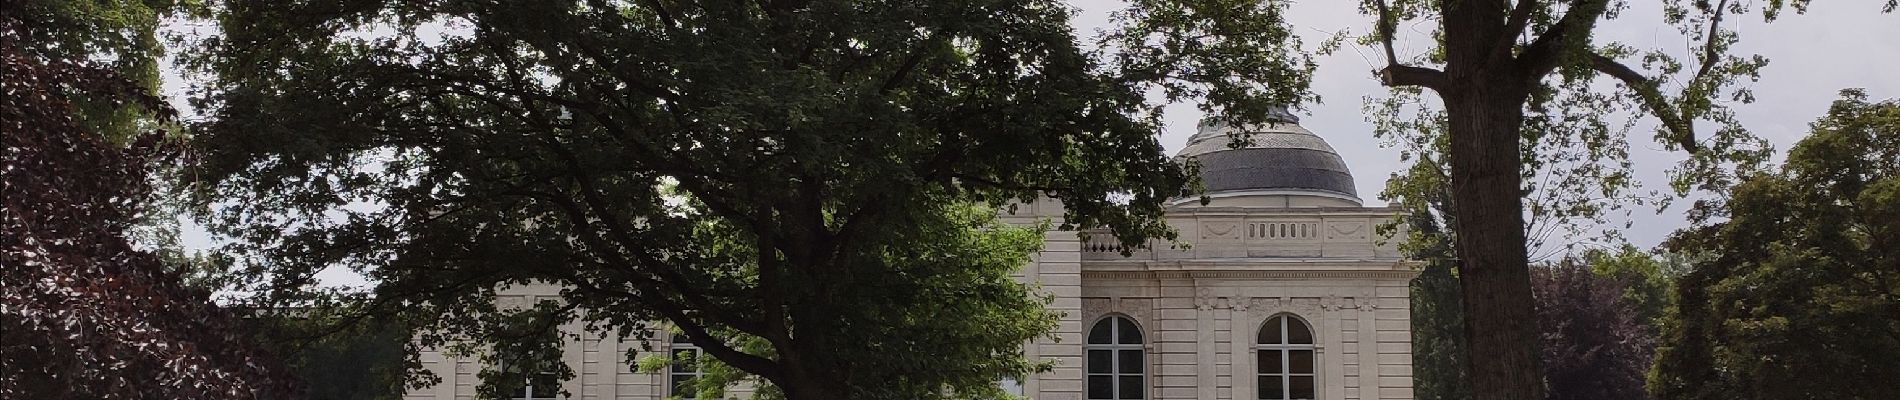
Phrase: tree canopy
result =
(1795, 294)
(84, 312)
(802, 188)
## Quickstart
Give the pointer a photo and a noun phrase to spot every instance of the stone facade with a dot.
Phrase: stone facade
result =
(1289, 241)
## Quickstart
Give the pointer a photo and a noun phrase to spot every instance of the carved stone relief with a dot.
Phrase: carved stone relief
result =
(1366, 304)
(1240, 303)
(1334, 303)
(1346, 230)
(1220, 230)
(1205, 300)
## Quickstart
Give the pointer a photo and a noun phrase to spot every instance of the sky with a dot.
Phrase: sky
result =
(1835, 45)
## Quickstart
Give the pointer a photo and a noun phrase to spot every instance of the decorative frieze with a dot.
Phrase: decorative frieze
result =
(1249, 274)
(1205, 300)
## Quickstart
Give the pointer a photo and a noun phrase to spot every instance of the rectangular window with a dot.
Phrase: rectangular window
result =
(685, 368)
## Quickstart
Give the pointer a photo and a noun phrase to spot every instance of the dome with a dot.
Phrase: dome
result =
(1283, 158)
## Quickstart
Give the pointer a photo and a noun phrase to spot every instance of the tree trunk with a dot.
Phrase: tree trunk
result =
(1500, 324)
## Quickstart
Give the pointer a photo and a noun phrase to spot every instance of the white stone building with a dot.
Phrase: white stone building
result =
(1284, 291)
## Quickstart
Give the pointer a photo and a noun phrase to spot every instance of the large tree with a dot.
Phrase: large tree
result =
(788, 183)
(84, 311)
(1797, 294)
(1511, 74)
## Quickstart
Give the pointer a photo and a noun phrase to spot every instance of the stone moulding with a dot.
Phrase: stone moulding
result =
(1249, 274)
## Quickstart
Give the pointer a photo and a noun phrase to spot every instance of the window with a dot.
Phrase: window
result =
(1286, 359)
(685, 368)
(1115, 360)
(540, 386)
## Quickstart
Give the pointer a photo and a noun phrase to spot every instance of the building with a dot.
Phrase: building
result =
(1284, 291)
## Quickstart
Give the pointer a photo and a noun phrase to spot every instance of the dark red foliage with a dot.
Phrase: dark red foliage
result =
(83, 313)
(1596, 345)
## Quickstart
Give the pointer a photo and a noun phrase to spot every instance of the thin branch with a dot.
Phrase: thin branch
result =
(1708, 45)
(1650, 93)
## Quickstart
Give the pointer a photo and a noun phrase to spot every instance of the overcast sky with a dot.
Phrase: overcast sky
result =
(1836, 45)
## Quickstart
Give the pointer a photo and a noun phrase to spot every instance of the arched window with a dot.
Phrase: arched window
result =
(1285, 359)
(1115, 361)
(685, 368)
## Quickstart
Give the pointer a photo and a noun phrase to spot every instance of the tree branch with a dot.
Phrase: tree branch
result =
(1571, 32)
(1708, 44)
(1405, 75)
(1650, 93)
(1395, 74)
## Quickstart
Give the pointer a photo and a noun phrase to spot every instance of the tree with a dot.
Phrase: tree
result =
(1796, 294)
(83, 312)
(1647, 278)
(1510, 74)
(1595, 343)
(335, 358)
(800, 187)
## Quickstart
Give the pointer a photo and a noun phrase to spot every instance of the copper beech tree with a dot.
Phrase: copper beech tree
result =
(83, 312)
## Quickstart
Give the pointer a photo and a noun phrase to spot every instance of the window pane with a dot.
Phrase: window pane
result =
(1301, 361)
(544, 386)
(1270, 331)
(1131, 362)
(1296, 332)
(1099, 361)
(1131, 387)
(1099, 334)
(1100, 387)
(1269, 362)
(1129, 333)
(1272, 388)
(680, 387)
(1302, 387)
(683, 361)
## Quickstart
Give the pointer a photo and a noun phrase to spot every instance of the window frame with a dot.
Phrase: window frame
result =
(675, 345)
(1114, 347)
(527, 389)
(1283, 350)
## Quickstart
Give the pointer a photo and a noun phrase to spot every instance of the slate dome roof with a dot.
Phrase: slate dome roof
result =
(1282, 157)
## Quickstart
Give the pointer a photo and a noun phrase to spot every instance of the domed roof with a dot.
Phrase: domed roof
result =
(1282, 157)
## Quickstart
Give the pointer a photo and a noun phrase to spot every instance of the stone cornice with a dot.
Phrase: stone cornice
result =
(1248, 274)
(1250, 264)
(1278, 212)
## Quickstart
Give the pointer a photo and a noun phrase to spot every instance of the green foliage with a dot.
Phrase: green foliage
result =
(1646, 278)
(118, 34)
(334, 358)
(792, 184)
(1438, 350)
(1796, 296)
